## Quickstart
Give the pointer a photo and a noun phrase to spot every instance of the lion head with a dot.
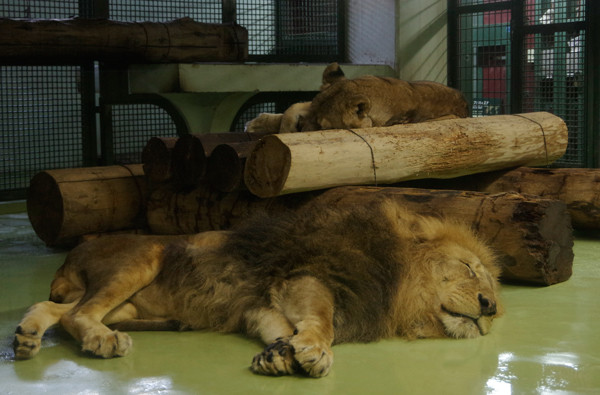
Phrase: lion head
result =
(450, 288)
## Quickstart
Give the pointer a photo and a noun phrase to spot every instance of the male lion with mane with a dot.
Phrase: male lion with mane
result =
(300, 282)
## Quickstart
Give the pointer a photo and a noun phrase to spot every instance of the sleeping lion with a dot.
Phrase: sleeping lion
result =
(300, 282)
(369, 101)
(364, 102)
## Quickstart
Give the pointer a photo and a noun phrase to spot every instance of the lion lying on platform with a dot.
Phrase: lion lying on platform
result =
(365, 102)
(300, 282)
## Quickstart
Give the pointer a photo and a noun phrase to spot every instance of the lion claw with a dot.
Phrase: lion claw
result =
(276, 359)
(110, 345)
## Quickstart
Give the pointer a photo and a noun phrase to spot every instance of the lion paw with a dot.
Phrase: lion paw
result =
(108, 345)
(314, 357)
(276, 359)
(27, 342)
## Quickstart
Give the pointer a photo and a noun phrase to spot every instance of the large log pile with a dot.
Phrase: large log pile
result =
(194, 184)
(75, 40)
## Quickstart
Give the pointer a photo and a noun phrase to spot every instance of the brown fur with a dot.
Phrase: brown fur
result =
(379, 101)
(292, 120)
(288, 122)
(300, 282)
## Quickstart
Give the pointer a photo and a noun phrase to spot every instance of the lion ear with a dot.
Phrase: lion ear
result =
(332, 74)
(361, 105)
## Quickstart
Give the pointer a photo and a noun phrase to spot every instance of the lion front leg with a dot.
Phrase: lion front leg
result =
(29, 332)
(308, 304)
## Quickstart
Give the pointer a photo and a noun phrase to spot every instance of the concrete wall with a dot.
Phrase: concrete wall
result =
(408, 35)
(421, 39)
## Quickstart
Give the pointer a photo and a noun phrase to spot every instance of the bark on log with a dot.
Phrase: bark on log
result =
(65, 204)
(156, 158)
(191, 152)
(533, 236)
(226, 166)
(172, 212)
(287, 163)
(579, 189)
(69, 41)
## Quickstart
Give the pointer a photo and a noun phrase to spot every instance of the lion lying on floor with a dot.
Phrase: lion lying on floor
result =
(364, 102)
(300, 282)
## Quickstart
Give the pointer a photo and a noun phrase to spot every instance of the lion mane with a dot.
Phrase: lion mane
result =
(300, 282)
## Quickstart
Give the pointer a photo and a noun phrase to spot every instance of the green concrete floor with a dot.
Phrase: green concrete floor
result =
(548, 342)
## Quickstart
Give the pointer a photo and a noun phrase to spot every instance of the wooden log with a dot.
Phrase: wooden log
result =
(579, 189)
(69, 41)
(172, 212)
(188, 162)
(65, 204)
(191, 152)
(287, 163)
(156, 159)
(533, 236)
(226, 166)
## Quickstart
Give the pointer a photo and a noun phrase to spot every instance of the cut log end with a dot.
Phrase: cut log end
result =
(45, 207)
(226, 168)
(156, 157)
(188, 161)
(267, 167)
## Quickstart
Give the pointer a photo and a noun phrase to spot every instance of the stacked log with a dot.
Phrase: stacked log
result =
(65, 204)
(156, 157)
(579, 189)
(226, 166)
(189, 158)
(72, 41)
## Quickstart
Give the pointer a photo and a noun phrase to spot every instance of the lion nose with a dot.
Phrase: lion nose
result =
(488, 307)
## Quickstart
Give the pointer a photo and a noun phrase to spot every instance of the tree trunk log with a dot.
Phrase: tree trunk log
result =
(579, 189)
(191, 153)
(533, 236)
(226, 166)
(156, 157)
(65, 204)
(287, 163)
(70, 41)
(172, 212)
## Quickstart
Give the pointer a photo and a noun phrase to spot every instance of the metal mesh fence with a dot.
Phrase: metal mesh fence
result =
(133, 125)
(484, 48)
(40, 109)
(551, 67)
(208, 11)
(41, 106)
(554, 70)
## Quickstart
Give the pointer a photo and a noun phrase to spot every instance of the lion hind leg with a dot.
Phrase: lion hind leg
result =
(35, 322)
(126, 318)
(308, 304)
